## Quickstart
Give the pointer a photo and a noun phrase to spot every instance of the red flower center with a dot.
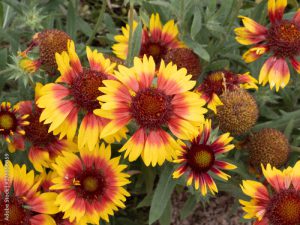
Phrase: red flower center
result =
(284, 39)
(200, 157)
(90, 184)
(284, 208)
(151, 108)
(154, 49)
(8, 122)
(85, 91)
(13, 212)
(219, 81)
(37, 132)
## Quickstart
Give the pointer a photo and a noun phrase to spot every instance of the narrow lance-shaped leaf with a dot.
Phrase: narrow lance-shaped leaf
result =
(162, 193)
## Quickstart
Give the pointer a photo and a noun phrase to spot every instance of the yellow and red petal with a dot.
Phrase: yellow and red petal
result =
(74, 59)
(296, 176)
(6, 175)
(247, 81)
(279, 74)
(158, 148)
(24, 107)
(296, 17)
(264, 221)
(67, 73)
(169, 35)
(254, 53)
(42, 219)
(253, 27)
(224, 165)
(23, 181)
(114, 126)
(120, 49)
(214, 102)
(69, 126)
(39, 158)
(179, 171)
(276, 9)
(98, 62)
(265, 70)
(65, 199)
(173, 81)
(89, 131)
(276, 178)
(29, 65)
(182, 129)
(206, 179)
(254, 209)
(220, 145)
(295, 63)
(127, 76)
(17, 143)
(144, 70)
(135, 145)
(155, 27)
(255, 190)
(44, 203)
(220, 173)
(245, 37)
(189, 105)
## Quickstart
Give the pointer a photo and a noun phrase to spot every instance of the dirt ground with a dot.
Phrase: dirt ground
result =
(219, 211)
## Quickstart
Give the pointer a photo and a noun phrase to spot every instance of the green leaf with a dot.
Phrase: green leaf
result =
(218, 65)
(225, 10)
(197, 23)
(188, 207)
(84, 27)
(17, 6)
(1, 14)
(281, 122)
(197, 48)
(289, 129)
(71, 21)
(165, 219)
(134, 45)
(162, 194)
(146, 201)
(125, 221)
(150, 175)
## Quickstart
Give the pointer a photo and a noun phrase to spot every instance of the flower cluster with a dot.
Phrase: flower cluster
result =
(95, 118)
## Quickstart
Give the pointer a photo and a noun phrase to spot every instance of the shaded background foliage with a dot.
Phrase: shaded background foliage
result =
(205, 26)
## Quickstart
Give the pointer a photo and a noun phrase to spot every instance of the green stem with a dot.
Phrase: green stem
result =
(295, 149)
(31, 83)
(99, 20)
(128, 58)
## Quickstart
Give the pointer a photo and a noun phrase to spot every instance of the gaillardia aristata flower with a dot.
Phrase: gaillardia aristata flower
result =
(156, 40)
(74, 92)
(278, 201)
(281, 39)
(45, 180)
(49, 42)
(12, 125)
(90, 187)
(198, 159)
(21, 202)
(217, 82)
(154, 100)
(45, 146)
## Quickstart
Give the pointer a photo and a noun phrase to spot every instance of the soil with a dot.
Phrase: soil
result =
(221, 210)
